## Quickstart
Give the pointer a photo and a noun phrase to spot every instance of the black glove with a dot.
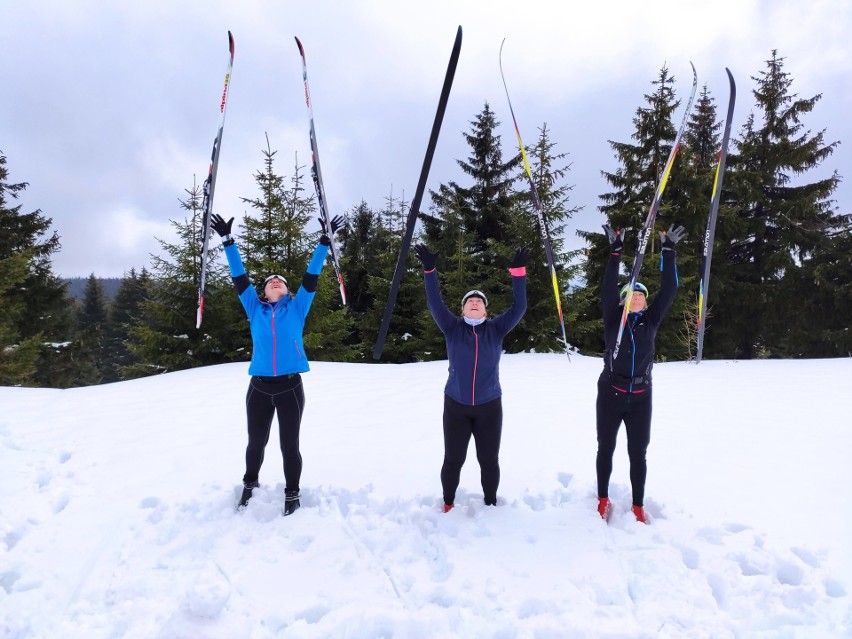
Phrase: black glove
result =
(615, 238)
(520, 258)
(219, 225)
(427, 257)
(671, 237)
(336, 224)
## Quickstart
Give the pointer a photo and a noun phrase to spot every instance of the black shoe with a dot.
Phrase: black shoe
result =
(244, 498)
(291, 501)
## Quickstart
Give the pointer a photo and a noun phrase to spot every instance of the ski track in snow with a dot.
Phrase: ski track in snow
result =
(414, 571)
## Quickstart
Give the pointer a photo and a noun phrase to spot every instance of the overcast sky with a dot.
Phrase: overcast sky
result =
(109, 109)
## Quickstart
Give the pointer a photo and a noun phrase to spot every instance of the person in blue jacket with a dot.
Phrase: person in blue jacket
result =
(276, 320)
(472, 395)
(624, 386)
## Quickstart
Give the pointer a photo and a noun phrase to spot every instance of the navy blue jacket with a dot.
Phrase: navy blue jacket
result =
(474, 351)
(636, 352)
(276, 329)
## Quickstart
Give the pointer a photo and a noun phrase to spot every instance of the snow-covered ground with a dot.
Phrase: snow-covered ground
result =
(117, 510)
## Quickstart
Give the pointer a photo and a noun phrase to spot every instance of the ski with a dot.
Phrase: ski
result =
(710, 232)
(542, 222)
(648, 226)
(210, 184)
(316, 174)
(414, 211)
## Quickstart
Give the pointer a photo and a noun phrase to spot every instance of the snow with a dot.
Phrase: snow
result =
(117, 510)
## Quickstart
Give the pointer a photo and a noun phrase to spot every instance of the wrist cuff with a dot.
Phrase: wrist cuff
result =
(227, 240)
(518, 271)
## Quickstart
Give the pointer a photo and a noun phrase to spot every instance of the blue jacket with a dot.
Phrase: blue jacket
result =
(636, 352)
(276, 329)
(474, 351)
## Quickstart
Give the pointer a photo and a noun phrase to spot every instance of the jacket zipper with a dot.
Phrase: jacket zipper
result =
(274, 346)
(475, 364)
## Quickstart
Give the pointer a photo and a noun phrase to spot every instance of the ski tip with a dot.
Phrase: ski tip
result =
(231, 42)
(301, 48)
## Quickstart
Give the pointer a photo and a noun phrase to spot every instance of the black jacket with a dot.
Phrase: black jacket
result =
(636, 352)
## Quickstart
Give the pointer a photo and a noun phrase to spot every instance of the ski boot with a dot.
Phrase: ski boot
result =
(244, 498)
(604, 508)
(640, 514)
(291, 501)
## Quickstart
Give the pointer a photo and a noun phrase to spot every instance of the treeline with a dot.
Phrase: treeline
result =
(781, 284)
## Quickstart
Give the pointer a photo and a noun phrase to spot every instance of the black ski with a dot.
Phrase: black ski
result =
(210, 184)
(710, 232)
(316, 174)
(418, 195)
(648, 226)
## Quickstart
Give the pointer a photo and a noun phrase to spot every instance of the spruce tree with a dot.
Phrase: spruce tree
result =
(273, 238)
(275, 241)
(471, 226)
(781, 221)
(35, 312)
(823, 290)
(540, 330)
(91, 326)
(124, 311)
(164, 338)
(700, 151)
(371, 252)
(635, 182)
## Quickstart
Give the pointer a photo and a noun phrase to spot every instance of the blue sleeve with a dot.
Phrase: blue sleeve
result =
(235, 261)
(507, 320)
(245, 291)
(308, 290)
(440, 313)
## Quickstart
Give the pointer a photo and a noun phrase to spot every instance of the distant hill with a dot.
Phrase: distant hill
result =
(77, 286)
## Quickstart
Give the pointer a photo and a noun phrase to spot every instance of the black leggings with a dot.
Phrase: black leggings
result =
(286, 395)
(634, 409)
(485, 423)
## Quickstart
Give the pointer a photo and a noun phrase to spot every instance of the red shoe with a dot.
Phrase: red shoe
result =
(604, 508)
(448, 507)
(640, 515)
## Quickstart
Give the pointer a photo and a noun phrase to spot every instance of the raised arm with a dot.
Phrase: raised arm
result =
(440, 313)
(669, 281)
(609, 286)
(517, 266)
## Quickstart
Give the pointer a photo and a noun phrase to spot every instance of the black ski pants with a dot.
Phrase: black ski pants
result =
(485, 423)
(613, 406)
(265, 396)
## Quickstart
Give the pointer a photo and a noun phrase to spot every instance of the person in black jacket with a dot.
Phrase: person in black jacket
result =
(472, 395)
(624, 386)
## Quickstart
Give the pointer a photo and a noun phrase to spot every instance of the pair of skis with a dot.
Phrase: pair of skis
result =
(210, 182)
(648, 226)
(710, 231)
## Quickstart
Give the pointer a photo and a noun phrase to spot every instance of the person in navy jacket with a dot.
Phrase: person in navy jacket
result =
(624, 386)
(472, 395)
(276, 320)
